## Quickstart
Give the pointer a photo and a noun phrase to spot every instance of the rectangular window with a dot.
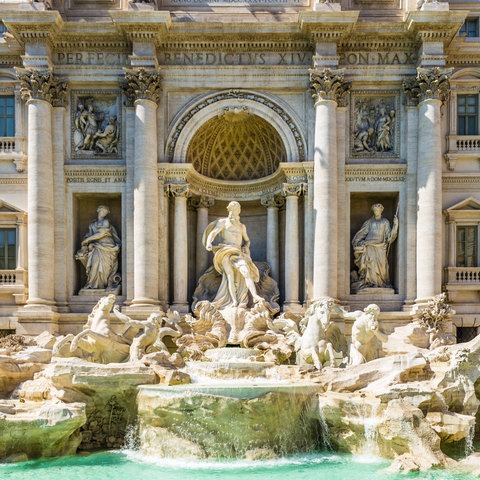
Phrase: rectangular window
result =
(7, 116)
(470, 28)
(467, 115)
(8, 249)
(467, 246)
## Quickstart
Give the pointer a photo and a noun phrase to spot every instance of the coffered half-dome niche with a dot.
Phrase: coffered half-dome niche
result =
(236, 145)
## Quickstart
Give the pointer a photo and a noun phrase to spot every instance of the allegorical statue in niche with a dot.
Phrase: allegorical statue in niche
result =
(232, 260)
(99, 253)
(371, 245)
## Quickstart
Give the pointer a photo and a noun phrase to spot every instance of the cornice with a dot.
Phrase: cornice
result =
(33, 25)
(16, 179)
(462, 178)
(329, 26)
(435, 26)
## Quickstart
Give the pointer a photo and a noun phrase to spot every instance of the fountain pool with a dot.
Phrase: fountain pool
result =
(125, 465)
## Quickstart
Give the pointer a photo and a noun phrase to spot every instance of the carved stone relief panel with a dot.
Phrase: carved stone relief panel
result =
(374, 125)
(96, 125)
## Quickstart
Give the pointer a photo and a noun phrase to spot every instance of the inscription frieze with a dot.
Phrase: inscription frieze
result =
(191, 56)
(100, 175)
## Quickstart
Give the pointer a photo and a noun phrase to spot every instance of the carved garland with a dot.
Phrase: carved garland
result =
(41, 85)
(238, 94)
(428, 84)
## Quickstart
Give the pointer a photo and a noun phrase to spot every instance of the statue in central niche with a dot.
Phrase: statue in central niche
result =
(235, 299)
(232, 260)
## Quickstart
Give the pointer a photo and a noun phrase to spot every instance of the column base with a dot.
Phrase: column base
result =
(35, 319)
(180, 307)
(293, 307)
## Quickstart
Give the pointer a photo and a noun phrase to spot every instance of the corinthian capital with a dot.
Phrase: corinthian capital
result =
(428, 84)
(141, 84)
(41, 85)
(291, 189)
(272, 201)
(328, 85)
(179, 190)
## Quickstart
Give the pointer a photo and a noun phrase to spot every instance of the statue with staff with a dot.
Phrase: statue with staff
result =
(371, 246)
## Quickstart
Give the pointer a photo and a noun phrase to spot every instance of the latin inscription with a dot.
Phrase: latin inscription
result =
(378, 58)
(237, 58)
(91, 58)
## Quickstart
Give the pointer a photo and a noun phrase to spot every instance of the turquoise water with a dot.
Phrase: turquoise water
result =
(132, 466)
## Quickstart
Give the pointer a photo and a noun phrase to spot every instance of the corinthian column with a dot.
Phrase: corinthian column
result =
(328, 89)
(273, 203)
(180, 192)
(41, 91)
(430, 89)
(291, 191)
(143, 89)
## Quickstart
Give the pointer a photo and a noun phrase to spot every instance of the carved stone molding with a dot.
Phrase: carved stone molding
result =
(15, 179)
(238, 95)
(41, 85)
(141, 84)
(329, 85)
(95, 175)
(428, 84)
(374, 173)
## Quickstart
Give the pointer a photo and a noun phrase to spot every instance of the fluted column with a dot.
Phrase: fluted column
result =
(41, 91)
(430, 88)
(273, 203)
(142, 88)
(328, 88)
(308, 235)
(180, 193)
(202, 204)
(291, 191)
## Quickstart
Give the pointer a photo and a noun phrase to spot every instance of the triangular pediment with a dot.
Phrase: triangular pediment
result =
(9, 208)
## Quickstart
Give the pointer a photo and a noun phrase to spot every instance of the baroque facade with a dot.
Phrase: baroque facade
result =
(133, 124)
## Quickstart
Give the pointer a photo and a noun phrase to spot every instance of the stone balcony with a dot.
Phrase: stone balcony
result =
(13, 149)
(14, 282)
(462, 147)
(463, 280)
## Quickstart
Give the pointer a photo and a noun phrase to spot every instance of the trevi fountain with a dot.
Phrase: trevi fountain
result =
(237, 389)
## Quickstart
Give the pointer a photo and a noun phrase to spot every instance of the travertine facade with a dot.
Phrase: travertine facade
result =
(307, 113)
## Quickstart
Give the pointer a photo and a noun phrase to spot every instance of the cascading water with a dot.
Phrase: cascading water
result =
(324, 430)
